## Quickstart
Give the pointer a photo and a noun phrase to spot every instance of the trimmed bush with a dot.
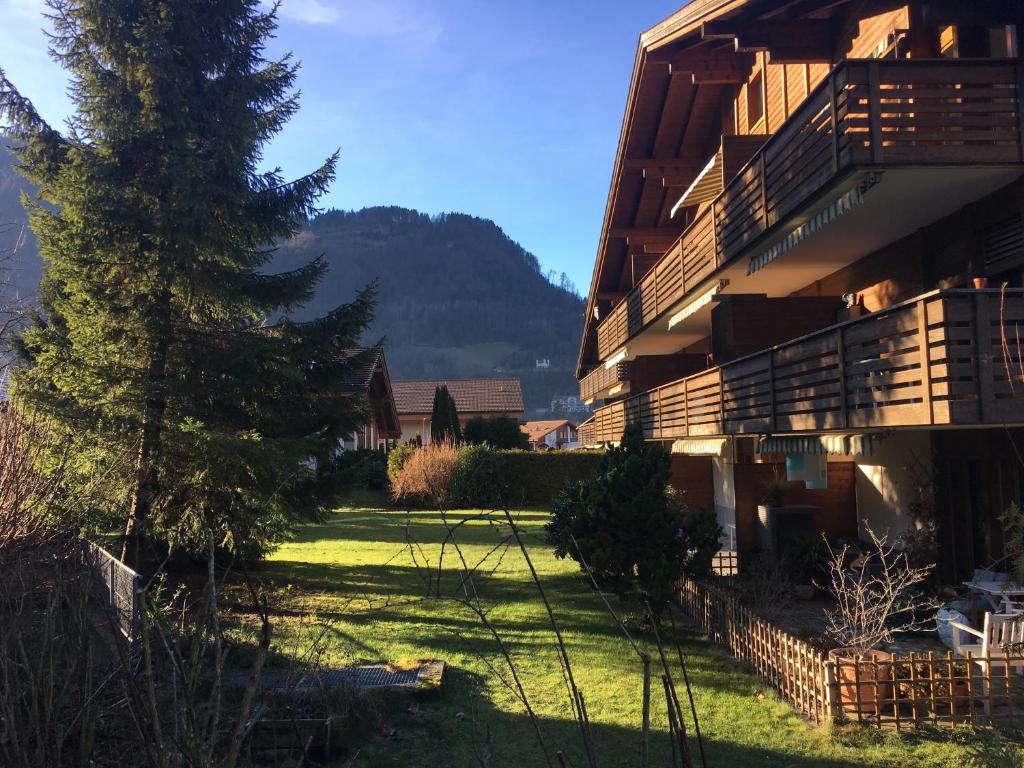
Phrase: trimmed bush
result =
(397, 458)
(480, 479)
(634, 533)
(428, 476)
(501, 432)
(363, 469)
(534, 479)
(481, 476)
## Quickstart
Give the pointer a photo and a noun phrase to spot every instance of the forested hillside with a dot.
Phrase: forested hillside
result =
(456, 297)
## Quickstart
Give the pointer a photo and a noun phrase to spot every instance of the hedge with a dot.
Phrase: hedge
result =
(486, 478)
(534, 479)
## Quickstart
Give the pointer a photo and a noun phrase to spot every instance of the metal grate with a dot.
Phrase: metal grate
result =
(356, 676)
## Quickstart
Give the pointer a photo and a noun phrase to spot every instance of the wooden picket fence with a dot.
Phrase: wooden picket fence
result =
(902, 691)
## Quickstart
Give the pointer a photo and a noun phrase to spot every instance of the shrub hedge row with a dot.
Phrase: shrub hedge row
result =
(534, 479)
(486, 477)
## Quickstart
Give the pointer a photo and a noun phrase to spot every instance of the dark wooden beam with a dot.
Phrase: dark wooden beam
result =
(650, 248)
(720, 68)
(642, 235)
(787, 42)
(610, 295)
(654, 167)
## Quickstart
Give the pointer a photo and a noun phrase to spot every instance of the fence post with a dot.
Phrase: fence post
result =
(110, 583)
(833, 700)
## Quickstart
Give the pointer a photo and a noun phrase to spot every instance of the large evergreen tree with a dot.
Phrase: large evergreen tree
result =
(163, 351)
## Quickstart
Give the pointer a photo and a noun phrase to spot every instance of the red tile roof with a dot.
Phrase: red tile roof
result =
(538, 430)
(471, 395)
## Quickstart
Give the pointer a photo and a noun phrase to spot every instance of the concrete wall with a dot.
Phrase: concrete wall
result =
(886, 485)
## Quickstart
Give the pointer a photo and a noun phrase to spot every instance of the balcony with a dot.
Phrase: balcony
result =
(944, 358)
(605, 381)
(945, 132)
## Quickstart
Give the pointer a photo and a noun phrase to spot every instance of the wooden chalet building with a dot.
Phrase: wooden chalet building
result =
(813, 209)
(372, 383)
(554, 434)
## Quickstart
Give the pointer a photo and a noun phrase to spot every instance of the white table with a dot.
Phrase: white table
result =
(998, 594)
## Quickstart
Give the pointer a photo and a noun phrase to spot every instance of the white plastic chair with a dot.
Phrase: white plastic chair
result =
(1001, 644)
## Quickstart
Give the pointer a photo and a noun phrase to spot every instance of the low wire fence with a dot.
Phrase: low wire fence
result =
(117, 586)
(890, 691)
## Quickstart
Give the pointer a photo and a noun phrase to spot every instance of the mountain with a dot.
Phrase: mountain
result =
(456, 296)
(20, 267)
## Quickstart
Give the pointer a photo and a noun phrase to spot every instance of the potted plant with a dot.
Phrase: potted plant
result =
(772, 495)
(807, 559)
(775, 489)
(876, 597)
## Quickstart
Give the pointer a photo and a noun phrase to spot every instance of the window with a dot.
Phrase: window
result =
(755, 101)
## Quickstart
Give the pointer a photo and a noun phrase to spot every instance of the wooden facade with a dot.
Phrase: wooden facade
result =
(946, 358)
(864, 115)
(815, 226)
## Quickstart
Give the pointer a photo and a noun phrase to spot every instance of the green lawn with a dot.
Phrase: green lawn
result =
(355, 574)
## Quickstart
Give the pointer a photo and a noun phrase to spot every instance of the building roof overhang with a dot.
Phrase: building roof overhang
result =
(671, 127)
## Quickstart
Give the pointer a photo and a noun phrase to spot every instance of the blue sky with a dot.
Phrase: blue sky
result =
(508, 110)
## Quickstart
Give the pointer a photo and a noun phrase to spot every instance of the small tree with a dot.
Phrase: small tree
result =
(444, 417)
(630, 527)
(453, 419)
(877, 599)
(501, 432)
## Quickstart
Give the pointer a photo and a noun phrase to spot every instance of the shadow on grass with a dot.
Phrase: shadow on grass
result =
(453, 729)
(425, 526)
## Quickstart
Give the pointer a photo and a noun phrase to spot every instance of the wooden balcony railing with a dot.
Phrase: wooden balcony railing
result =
(945, 358)
(867, 113)
(603, 378)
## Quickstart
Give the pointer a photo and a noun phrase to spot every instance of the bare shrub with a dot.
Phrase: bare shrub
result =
(878, 598)
(428, 476)
(766, 587)
(26, 492)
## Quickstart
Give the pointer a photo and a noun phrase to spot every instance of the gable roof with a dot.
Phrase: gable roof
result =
(471, 395)
(371, 378)
(538, 430)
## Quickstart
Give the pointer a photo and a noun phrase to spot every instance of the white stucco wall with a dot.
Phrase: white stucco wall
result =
(724, 481)
(885, 483)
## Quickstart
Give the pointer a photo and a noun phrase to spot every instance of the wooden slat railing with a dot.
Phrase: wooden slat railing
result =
(867, 113)
(946, 357)
(603, 378)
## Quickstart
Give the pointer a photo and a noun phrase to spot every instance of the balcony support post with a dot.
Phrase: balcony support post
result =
(762, 177)
(875, 112)
(926, 362)
(834, 117)
(844, 404)
(686, 406)
(983, 358)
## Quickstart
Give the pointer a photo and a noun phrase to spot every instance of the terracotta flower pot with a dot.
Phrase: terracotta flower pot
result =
(980, 282)
(863, 686)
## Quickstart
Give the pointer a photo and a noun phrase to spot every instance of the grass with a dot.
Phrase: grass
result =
(355, 579)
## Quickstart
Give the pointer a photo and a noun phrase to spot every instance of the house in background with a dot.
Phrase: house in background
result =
(372, 382)
(556, 434)
(813, 207)
(414, 399)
